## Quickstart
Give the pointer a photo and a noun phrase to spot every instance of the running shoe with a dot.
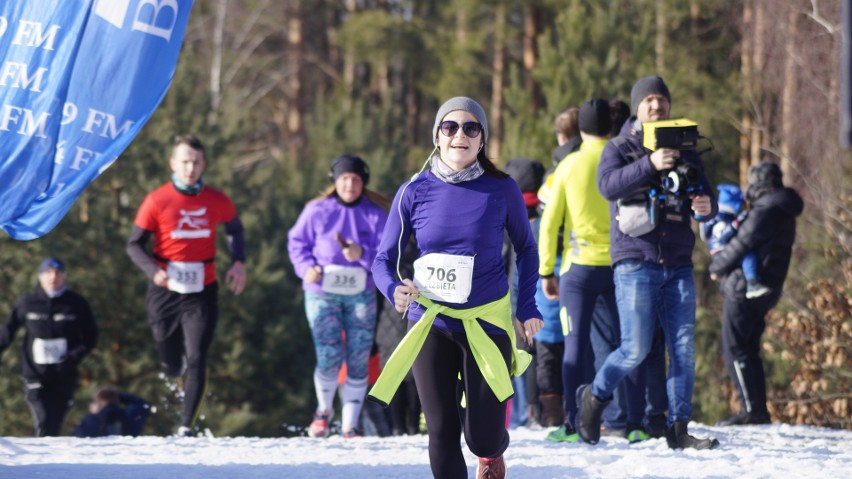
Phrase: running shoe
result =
(491, 468)
(563, 434)
(320, 425)
(637, 435)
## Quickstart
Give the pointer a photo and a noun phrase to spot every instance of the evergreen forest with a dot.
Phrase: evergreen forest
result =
(278, 88)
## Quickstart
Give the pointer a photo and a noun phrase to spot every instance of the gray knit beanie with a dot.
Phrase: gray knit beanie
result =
(646, 86)
(465, 104)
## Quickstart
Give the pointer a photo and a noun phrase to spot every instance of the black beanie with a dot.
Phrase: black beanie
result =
(595, 118)
(526, 172)
(763, 177)
(646, 86)
(766, 173)
(349, 164)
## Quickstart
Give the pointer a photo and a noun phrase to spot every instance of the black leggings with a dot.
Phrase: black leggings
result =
(436, 372)
(405, 409)
(183, 326)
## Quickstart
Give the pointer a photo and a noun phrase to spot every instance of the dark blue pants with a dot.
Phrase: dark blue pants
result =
(579, 289)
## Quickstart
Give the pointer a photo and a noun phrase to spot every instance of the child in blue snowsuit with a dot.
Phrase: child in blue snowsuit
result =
(718, 231)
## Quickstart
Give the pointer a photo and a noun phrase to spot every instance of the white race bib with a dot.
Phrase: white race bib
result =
(346, 280)
(444, 277)
(49, 351)
(186, 278)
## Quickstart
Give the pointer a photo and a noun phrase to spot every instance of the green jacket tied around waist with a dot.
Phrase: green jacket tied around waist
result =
(485, 352)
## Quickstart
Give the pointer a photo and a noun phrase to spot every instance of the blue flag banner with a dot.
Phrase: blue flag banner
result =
(78, 80)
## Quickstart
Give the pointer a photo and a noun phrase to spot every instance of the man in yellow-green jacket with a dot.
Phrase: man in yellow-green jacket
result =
(577, 207)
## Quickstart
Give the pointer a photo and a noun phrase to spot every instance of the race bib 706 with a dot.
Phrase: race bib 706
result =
(444, 277)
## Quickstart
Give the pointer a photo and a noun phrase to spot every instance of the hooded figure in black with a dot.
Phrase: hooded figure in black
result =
(769, 230)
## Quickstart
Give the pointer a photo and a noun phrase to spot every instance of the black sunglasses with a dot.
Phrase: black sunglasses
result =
(471, 129)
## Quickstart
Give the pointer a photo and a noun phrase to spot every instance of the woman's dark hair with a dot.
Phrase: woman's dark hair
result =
(489, 167)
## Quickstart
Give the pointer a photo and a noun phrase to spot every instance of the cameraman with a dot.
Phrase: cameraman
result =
(653, 265)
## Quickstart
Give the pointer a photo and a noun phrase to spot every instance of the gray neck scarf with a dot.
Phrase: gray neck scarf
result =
(447, 175)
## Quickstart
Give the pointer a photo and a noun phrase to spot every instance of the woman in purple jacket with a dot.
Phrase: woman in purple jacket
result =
(461, 331)
(332, 246)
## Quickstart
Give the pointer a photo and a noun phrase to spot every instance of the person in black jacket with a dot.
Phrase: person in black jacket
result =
(60, 331)
(769, 230)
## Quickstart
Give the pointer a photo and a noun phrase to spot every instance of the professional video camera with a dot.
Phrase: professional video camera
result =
(684, 178)
(678, 134)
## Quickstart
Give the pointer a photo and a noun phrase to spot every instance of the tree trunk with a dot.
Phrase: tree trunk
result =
(294, 84)
(496, 120)
(761, 108)
(788, 113)
(461, 26)
(349, 67)
(412, 111)
(532, 24)
(216, 62)
(383, 80)
(694, 29)
(660, 41)
(747, 76)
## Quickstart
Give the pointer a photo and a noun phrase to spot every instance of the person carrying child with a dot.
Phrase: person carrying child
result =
(718, 231)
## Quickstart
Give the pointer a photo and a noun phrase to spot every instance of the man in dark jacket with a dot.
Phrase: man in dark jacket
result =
(769, 230)
(60, 331)
(652, 258)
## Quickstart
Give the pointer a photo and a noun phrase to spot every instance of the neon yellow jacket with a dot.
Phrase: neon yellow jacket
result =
(576, 203)
(485, 352)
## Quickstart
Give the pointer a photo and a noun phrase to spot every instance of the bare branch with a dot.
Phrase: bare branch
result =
(814, 14)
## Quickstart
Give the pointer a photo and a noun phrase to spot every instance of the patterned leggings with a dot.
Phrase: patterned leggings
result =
(330, 316)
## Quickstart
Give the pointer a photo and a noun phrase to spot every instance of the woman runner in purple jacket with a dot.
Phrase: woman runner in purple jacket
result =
(332, 246)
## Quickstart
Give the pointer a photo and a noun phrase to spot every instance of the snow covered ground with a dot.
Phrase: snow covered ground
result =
(774, 451)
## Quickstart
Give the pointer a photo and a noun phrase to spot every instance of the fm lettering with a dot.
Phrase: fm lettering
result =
(105, 123)
(30, 34)
(20, 78)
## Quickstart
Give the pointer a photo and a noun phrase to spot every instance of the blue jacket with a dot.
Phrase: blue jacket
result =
(125, 419)
(626, 169)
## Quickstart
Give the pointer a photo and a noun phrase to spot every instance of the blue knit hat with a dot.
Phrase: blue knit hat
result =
(462, 103)
(51, 262)
(730, 199)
